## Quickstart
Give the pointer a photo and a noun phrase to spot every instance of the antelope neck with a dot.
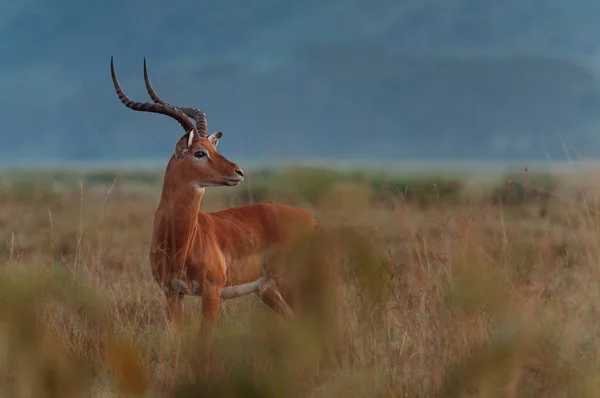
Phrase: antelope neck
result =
(182, 200)
(178, 208)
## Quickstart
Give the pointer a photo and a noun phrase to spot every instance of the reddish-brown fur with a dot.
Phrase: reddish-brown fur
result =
(214, 255)
(218, 249)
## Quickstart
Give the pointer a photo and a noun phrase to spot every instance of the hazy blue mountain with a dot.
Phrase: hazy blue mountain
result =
(347, 79)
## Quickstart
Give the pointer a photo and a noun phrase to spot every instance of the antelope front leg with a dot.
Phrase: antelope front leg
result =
(175, 309)
(210, 313)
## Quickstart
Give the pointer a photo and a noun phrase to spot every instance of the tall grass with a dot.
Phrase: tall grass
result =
(416, 287)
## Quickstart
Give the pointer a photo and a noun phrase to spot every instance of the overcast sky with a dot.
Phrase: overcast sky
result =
(56, 87)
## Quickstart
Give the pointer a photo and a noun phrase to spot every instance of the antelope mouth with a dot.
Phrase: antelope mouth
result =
(234, 181)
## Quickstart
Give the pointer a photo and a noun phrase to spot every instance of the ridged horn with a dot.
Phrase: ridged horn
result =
(163, 109)
(196, 114)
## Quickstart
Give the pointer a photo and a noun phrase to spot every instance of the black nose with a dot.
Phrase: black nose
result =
(240, 172)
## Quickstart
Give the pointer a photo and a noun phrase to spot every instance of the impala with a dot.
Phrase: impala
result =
(213, 255)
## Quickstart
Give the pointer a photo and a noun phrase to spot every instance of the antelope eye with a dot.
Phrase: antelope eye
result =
(199, 154)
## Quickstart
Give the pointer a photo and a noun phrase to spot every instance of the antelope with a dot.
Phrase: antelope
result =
(213, 255)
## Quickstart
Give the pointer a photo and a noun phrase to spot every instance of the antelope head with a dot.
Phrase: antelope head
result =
(195, 160)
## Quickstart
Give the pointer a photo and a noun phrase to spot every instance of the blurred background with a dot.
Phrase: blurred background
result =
(475, 282)
(314, 80)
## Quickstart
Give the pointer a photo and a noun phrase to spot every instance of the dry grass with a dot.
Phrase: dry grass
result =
(421, 292)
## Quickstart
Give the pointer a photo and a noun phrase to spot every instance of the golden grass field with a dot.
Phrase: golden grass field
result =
(420, 287)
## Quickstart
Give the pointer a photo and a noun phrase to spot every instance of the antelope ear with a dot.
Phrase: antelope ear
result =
(214, 138)
(183, 145)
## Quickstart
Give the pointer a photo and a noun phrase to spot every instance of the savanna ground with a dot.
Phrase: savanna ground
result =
(421, 286)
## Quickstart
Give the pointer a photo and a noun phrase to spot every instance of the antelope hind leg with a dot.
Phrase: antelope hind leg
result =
(270, 295)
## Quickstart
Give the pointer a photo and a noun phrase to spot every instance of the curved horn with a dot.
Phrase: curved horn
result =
(163, 109)
(196, 114)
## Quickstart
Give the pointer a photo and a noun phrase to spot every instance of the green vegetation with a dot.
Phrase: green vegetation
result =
(418, 286)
